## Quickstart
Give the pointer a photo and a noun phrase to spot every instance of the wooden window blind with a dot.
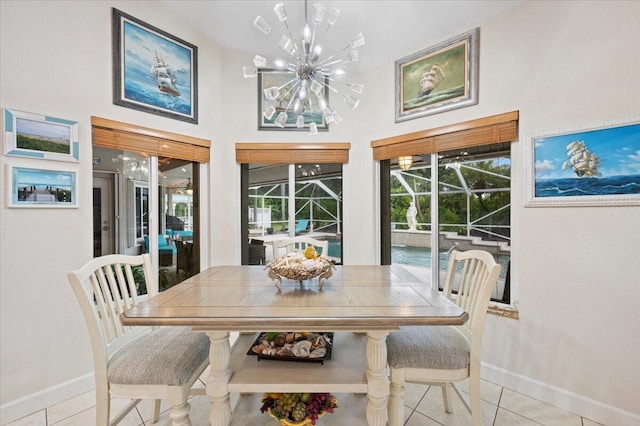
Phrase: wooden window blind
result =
(483, 131)
(124, 136)
(291, 153)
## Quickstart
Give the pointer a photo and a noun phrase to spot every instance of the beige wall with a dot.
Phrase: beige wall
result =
(563, 65)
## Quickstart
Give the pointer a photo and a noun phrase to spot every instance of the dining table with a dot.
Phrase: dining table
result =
(360, 304)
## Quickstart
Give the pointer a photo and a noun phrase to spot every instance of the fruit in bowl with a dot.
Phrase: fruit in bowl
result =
(298, 409)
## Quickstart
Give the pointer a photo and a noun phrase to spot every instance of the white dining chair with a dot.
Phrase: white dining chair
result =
(135, 362)
(299, 243)
(442, 355)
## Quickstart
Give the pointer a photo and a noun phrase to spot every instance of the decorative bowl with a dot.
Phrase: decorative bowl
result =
(285, 422)
(295, 266)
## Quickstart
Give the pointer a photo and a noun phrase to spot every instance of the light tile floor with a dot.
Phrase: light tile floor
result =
(424, 407)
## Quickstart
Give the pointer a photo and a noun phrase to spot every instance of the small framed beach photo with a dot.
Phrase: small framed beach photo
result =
(270, 109)
(40, 136)
(39, 188)
(591, 167)
(438, 79)
(153, 71)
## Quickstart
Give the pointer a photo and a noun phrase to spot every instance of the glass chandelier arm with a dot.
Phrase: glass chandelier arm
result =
(324, 62)
(353, 86)
(296, 52)
(333, 16)
(349, 100)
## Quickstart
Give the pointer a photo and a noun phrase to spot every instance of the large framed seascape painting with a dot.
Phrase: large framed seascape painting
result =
(270, 109)
(153, 71)
(593, 167)
(39, 188)
(438, 79)
(40, 136)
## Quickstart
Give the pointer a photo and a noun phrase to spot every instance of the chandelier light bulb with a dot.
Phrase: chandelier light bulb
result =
(313, 129)
(281, 64)
(306, 34)
(300, 121)
(259, 61)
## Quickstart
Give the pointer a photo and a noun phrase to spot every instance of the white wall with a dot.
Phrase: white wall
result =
(56, 60)
(563, 65)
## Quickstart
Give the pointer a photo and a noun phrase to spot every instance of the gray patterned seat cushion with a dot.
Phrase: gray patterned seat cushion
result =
(437, 347)
(169, 356)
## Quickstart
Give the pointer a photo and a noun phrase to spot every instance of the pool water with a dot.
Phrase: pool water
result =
(415, 256)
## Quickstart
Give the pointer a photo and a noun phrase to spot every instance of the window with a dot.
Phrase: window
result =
(313, 208)
(290, 189)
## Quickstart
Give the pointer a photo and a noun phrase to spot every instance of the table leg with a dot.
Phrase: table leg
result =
(377, 380)
(218, 380)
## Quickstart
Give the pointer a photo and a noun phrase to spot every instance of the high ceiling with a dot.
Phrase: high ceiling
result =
(392, 29)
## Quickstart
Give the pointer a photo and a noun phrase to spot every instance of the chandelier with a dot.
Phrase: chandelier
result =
(311, 72)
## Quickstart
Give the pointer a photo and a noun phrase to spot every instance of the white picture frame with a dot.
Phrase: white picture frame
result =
(40, 136)
(590, 166)
(40, 188)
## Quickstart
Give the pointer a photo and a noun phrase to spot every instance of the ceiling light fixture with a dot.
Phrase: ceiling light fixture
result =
(189, 187)
(311, 73)
(405, 162)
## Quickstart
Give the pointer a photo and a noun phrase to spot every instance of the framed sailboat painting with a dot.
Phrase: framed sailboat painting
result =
(591, 167)
(153, 71)
(440, 78)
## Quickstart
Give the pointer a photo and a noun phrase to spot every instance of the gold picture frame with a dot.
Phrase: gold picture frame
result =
(438, 79)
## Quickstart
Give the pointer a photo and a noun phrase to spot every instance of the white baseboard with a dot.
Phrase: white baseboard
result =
(560, 398)
(45, 398)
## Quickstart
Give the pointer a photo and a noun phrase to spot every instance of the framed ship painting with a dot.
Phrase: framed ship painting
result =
(270, 109)
(437, 79)
(153, 71)
(41, 188)
(40, 136)
(594, 167)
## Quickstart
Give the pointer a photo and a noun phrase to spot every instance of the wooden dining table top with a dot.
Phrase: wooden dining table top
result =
(244, 298)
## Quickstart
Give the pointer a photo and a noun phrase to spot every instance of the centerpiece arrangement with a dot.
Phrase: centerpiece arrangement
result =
(301, 266)
(298, 409)
(293, 346)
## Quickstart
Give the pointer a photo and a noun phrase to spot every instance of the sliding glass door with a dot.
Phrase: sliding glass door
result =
(147, 204)
(450, 200)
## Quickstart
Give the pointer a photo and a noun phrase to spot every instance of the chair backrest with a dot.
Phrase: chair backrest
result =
(105, 287)
(299, 243)
(302, 225)
(473, 274)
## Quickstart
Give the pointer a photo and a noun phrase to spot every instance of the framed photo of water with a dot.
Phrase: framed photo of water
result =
(38, 188)
(438, 79)
(153, 71)
(592, 167)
